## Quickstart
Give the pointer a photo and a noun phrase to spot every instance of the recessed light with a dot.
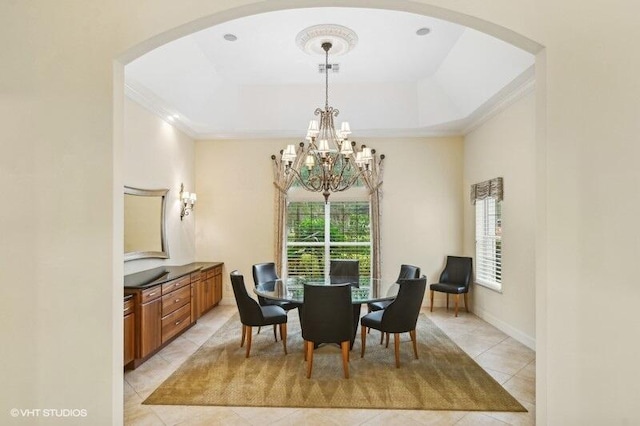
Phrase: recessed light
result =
(423, 31)
(230, 37)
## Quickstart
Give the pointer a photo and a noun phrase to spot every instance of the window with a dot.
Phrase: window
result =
(318, 232)
(489, 243)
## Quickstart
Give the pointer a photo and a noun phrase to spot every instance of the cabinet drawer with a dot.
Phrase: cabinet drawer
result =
(176, 300)
(175, 284)
(150, 294)
(195, 276)
(128, 307)
(175, 322)
(217, 270)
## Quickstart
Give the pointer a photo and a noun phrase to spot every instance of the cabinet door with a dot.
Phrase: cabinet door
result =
(194, 301)
(201, 292)
(210, 293)
(150, 327)
(129, 338)
(217, 284)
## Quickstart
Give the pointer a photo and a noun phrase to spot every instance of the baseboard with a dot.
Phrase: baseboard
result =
(506, 328)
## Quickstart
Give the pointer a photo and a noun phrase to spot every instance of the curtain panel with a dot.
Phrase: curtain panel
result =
(492, 188)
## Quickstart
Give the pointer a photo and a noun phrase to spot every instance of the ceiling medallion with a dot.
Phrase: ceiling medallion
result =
(342, 39)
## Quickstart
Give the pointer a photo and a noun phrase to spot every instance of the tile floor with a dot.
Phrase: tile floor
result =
(508, 361)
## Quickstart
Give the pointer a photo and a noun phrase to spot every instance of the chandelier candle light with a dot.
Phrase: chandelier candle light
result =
(329, 161)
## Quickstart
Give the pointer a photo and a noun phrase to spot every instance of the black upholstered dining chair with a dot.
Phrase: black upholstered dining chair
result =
(254, 315)
(401, 316)
(342, 271)
(454, 279)
(406, 271)
(327, 317)
(264, 273)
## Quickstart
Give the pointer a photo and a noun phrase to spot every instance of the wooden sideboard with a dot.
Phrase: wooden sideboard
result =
(164, 302)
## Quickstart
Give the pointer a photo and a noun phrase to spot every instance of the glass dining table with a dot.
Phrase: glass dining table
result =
(291, 289)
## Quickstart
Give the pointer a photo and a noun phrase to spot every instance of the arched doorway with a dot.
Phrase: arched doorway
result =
(413, 7)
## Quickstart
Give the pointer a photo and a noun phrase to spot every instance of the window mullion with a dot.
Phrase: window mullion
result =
(327, 239)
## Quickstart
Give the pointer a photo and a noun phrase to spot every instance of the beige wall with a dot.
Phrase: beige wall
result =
(421, 204)
(157, 155)
(505, 146)
(62, 148)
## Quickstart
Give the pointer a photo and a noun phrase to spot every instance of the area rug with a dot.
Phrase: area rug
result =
(443, 378)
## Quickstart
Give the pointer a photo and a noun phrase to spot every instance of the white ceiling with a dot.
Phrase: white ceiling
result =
(392, 83)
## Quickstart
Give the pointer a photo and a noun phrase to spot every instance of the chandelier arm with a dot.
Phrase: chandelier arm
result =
(340, 177)
(307, 185)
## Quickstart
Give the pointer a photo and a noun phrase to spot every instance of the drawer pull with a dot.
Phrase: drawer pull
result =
(178, 322)
(176, 301)
(151, 294)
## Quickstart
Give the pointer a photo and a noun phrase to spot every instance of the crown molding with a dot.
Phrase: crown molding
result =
(514, 91)
(511, 93)
(155, 105)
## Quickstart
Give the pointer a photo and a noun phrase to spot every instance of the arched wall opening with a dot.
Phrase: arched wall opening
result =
(203, 22)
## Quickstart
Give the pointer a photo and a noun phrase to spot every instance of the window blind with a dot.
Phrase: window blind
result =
(318, 232)
(489, 243)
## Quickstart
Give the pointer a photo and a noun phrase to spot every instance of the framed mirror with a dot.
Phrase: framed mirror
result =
(144, 223)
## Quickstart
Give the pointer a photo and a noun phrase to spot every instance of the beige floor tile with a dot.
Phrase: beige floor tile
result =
(519, 419)
(522, 389)
(183, 415)
(263, 415)
(392, 418)
(436, 418)
(500, 362)
(480, 419)
(473, 344)
(307, 418)
(528, 371)
(178, 351)
(498, 376)
(141, 415)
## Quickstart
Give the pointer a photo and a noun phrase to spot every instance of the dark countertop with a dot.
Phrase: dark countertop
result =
(162, 274)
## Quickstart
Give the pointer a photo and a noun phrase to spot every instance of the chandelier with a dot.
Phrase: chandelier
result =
(328, 161)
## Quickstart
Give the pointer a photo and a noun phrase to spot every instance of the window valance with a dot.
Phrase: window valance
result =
(489, 188)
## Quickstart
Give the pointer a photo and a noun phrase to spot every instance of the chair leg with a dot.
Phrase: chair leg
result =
(457, 300)
(412, 333)
(431, 291)
(447, 301)
(381, 336)
(387, 342)
(259, 328)
(466, 302)
(396, 345)
(275, 332)
(346, 345)
(249, 332)
(309, 358)
(363, 340)
(244, 335)
(283, 336)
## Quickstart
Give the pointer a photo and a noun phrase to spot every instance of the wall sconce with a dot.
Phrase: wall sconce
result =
(187, 200)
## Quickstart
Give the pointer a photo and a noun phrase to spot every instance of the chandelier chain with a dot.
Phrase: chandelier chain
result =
(326, 76)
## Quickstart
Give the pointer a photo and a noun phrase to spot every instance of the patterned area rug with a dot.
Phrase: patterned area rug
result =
(444, 378)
